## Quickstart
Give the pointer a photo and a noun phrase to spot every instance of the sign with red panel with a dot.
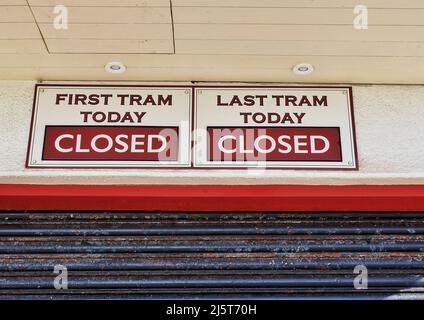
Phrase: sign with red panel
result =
(274, 127)
(110, 143)
(192, 126)
(111, 126)
(274, 144)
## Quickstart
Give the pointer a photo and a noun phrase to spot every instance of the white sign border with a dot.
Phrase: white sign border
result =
(63, 165)
(192, 123)
(266, 166)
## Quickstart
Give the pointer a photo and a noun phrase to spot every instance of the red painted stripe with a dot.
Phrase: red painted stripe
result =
(212, 198)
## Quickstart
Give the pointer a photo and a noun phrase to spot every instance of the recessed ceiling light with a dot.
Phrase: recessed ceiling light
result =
(115, 67)
(303, 69)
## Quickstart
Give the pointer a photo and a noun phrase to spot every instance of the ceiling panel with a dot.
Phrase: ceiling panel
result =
(295, 16)
(299, 3)
(136, 29)
(108, 46)
(213, 68)
(301, 48)
(15, 14)
(108, 31)
(19, 46)
(13, 3)
(193, 62)
(329, 71)
(13, 31)
(18, 30)
(219, 40)
(110, 15)
(264, 32)
(101, 3)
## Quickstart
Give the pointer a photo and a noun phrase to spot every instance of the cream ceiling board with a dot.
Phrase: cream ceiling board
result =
(19, 31)
(107, 15)
(296, 32)
(219, 62)
(109, 31)
(216, 40)
(13, 3)
(15, 14)
(22, 46)
(300, 3)
(101, 3)
(302, 48)
(135, 30)
(296, 16)
(108, 46)
(329, 72)
(191, 67)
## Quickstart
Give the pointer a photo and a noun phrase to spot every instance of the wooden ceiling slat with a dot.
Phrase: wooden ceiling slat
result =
(15, 14)
(328, 72)
(109, 15)
(300, 3)
(101, 3)
(108, 31)
(296, 32)
(301, 48)
(22, 46)
(201, 61)
(11, 31)
(295, 16)
(219, 40)
(13, 3)
(109, 46)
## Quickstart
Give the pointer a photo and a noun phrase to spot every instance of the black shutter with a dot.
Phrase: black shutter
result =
(211, 255)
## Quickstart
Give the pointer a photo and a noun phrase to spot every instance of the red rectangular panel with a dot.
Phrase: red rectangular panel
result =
(110, 143)
(274, 144)
(195, 198)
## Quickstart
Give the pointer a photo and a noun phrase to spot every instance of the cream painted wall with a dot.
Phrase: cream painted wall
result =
(390, 136)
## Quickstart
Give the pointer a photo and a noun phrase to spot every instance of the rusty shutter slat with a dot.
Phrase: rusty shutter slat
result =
(142, 255)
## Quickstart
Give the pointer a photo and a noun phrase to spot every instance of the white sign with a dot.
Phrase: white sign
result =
(183, 126)
(274, 127)
(111, 126)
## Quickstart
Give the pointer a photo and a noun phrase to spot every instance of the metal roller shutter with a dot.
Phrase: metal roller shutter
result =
(211, 255)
